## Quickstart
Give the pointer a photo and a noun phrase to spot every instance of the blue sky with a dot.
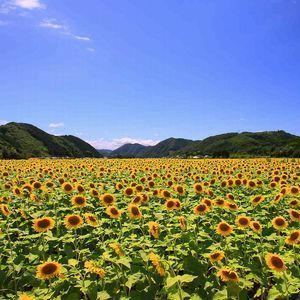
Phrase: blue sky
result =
(122, 71)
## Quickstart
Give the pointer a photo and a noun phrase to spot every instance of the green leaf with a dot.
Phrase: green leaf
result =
(187, 278)
(103, 295)
(124, 261)
(133, 279)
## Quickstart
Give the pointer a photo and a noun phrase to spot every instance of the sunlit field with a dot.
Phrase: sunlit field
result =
(150, 229)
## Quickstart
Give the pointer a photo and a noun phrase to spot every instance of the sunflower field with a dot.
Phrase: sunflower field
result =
(149, 229)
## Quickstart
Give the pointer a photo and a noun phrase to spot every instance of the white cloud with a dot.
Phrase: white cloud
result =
(3, 122)
(53, 24)
(62, 28)
(10, 5)
(56, 125)
(28, 4)
(82, 38)
(91, 49)
(116, 143)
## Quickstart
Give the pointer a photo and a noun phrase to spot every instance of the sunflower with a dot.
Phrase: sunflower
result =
(165, 194)
(200, 209)
(224, 229)
(170, 204)
(91, 219)
(275, 262)
(198, 188)
(108, 199)
(207, 202)
(179, 189)
(90, 267)
(113, 212)
(79, 201)
(67, 187)
(79, 188)
(257, 200)
(255, 226)
(294, 203)
(154, 229)
(230, 197)
(293, 238)
(216, 256)
(116, 247)
(279, 223)
(242, 221)
(36, 185)
(228, 275)
(155, 260)
(177, 204)
(137, 200)
(43, 224)
(128, 192)
(232, 206)
(182, 222)
(294, 215)
(251, 184)
(94, 192)
(219, 202)
(5, 210)
(294, 190)
(73, 221)
(25, 296)
(134, 211)
(48, 270)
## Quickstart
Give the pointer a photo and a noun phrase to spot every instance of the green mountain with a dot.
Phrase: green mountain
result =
(164, 148)
(128, 150)
(245, 144)
(20, 140)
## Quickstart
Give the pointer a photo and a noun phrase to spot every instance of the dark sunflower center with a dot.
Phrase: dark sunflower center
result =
(49, 268)
(135, 211)
(224, 227)
(279, 222)
(108, 199)
(256, 226)
(215, 255)
(129, 191)
(170, 204)
(68, 187)
(295, 214)
(91, 218)
(114, 211)
(198, 187)
(44, 223)
(277, 262)
(79, 200)
(74, 220)
(294, 236)
(243, 221)
(231, 275)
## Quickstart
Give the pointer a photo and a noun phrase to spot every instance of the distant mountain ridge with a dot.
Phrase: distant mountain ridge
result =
(21, 140)
(246, 144)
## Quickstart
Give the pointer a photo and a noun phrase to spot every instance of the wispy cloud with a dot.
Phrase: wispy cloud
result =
(116, 143)
(82, 38)
(3, 122)
(56, 125)
(53, 24)
(91, 49)
(10, 5)
(62, 28)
